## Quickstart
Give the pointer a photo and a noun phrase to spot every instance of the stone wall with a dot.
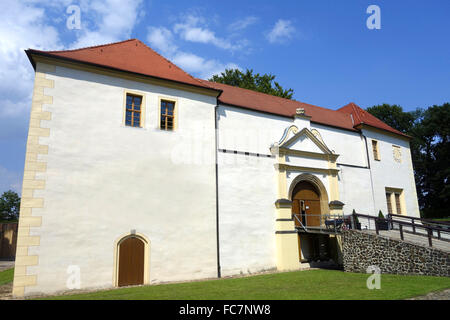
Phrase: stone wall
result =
(361, 250)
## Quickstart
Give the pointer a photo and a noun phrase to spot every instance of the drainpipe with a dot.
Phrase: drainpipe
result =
(216, 114)
(370, 171)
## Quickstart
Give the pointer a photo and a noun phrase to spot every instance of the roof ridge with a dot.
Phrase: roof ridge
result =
(90, 47)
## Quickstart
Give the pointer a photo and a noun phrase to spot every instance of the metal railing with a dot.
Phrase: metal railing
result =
(321, 222)
(413, 225)
(335, 223)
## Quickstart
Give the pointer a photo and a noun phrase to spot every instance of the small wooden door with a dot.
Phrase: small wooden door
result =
(312, 213)
(306, 200)
(131, 262)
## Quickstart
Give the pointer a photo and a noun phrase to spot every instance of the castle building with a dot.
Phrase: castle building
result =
(138, 173)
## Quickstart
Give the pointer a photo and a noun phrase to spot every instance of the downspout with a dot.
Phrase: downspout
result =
(217, 187)
(370, 170)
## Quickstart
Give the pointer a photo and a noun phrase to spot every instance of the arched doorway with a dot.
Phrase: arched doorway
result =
(306, 204)
(131, 264)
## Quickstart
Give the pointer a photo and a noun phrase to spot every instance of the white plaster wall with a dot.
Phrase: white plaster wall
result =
(389, 173)
(355, 190)
(247, 193)
(249, 131)
(105, 179)
(348, 145)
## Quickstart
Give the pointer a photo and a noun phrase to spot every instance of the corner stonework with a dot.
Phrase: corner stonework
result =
(33, 166)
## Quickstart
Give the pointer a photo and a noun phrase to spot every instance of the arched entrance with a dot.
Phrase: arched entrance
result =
(131, 261)
(309, 203)
(306, 204)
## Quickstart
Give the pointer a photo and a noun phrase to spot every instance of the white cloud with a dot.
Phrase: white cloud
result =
(281, 32)
(165, 41)
(161, 39)
(243, 23)
(105, 21)
(202, 67)
(192, 29)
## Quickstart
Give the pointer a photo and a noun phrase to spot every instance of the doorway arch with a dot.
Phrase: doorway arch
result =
(308, 187)
(131, 260)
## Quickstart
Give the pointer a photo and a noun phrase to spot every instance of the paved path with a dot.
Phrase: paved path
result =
(6, 264)
(416, 239)
(439, 295)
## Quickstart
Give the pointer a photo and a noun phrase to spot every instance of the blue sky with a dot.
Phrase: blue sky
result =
(321, 49)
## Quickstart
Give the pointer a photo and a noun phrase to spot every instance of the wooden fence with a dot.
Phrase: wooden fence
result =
(8, 240)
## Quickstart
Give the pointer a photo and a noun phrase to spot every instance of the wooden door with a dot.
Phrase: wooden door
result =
(131, 262)
(312, 213)
(307, 193)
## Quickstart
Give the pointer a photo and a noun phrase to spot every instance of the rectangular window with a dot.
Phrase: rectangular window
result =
(388, 201)
(376, 154)
(397, 203)
(133, 110)
(167, 115)
(395, 200)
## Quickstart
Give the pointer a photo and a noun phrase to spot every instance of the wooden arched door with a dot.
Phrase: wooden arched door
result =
(131, 262)
(306, 204)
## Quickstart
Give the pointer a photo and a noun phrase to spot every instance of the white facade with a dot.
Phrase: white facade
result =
(105, 180)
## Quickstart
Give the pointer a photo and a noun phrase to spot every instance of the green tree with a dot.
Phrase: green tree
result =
(430, 150)
(9, 205)
(431, 156)
(394, 116)
(263, 83)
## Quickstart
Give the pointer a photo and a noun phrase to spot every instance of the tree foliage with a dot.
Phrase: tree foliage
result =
(430, 150)
(9, 205)
(262, 83)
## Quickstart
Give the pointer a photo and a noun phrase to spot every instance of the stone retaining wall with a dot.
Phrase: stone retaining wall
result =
(361, 249)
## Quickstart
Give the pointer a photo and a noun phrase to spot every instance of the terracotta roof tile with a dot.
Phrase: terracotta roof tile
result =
(135, 56)
(362, 117)
(129, 55)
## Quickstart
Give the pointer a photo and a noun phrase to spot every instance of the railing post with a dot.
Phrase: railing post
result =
(413, 226)
(400, 226)
(430, 235)
(376, 227)
(439, 234)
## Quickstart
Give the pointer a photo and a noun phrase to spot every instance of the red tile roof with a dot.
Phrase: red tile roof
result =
(253, 100)
(362, 117)
(129, 55)
(136, 57)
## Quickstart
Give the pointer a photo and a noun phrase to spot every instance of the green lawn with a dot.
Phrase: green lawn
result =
(311, 284)
(6, 276)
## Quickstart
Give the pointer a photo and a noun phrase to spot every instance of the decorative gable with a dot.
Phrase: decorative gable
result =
(303, 140)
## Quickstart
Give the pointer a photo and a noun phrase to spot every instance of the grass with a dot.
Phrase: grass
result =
(298, 285)
(6, 276)
(442, 219)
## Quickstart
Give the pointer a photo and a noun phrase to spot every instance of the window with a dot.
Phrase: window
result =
(395, 201)
(167, 115)
(133, 110)
(376, 154)
(388, 201)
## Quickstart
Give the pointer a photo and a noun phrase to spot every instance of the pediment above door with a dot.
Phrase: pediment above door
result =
(303, 142)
